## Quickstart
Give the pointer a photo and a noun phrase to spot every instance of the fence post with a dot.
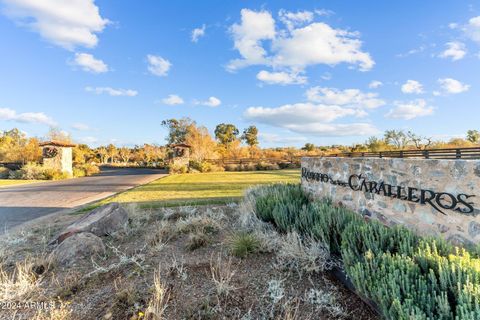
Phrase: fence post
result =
(426, 154)
(380, 155)
(458, 154)
(401, 154)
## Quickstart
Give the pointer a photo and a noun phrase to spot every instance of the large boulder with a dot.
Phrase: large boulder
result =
(102, 221)
(77, 247)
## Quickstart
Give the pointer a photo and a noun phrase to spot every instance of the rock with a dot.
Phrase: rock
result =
(102, 221)
(77, 247)
(473, 229)
(459, 241)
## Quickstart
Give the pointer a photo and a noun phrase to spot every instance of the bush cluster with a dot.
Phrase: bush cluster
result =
(4, 173)
(203, 166)
(85, 170)
(406, 275)
(34, 171)
(251, 166)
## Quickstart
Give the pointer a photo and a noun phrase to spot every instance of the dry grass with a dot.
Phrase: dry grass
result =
(20, 283)
(61, 312)
(159, 301)
(222, 275)
(303, 255)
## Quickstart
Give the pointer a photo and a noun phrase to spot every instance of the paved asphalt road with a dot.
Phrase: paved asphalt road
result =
(22, 203)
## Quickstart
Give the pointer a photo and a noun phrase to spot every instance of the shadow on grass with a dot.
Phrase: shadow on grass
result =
(164, 203)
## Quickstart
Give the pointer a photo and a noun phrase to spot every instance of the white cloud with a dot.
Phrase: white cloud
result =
(311, 119)
(375, 84)
(303, 43)
(173, 100)
(412, 86)
(348, 97)
(282, 77)
(254, 28)
(298, 113)
(211, 102)
(88, 140)
(472, 29)
(279, 139)
(455, 50)
(158, 65)
(197, 33)
(451, 86)
(65, 23)
(26, 117)
(112, 91)
(318, 43)
(294, 19)
(88, 63)
(408, 110)
(80, 126)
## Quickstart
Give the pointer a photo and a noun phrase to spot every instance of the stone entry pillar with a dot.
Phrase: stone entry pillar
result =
(58, 155)
(179, 154)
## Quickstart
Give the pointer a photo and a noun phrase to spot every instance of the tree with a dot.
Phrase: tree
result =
(473, 136)
(397, 138)
(55, 134)
(112, 152)
(309, 147)
(82, 153)
(103, 154)
(419, 141)
(201, 143)
(125, 154)
(177, 129)
(250, 136)
(375, 144)
(226, 133)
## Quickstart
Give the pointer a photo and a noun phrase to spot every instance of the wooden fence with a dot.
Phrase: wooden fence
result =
(447, 153)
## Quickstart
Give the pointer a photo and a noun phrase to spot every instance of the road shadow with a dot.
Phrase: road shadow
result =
(14, 216)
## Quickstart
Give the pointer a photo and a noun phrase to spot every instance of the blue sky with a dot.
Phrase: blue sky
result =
(325, 72)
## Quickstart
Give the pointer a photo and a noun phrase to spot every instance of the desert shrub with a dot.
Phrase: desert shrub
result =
(232, 167)
(52, 174)
(289, 165)
(177, 169)
(242, 244)
(33, 171)
(85, 170)
(204, 166)
(267, 166)
(4, 172)
(78, 172)
(197, 240)
(406, 275)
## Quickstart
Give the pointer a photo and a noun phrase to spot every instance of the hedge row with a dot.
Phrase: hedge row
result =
(407, 276)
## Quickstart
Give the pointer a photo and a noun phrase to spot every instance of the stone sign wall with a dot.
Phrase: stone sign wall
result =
(430, 196)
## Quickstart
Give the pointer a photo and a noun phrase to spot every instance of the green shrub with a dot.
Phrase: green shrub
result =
(78, 172)
(279, 203)
(177, 169)
(407, 276)
(205, 166)
(33, 171)
(52, 174)
(267, 166)
(86, 169)
(242, 244)
(232, 167)
(4, 172)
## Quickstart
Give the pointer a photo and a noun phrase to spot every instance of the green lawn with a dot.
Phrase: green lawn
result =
(202, 188)
(10, 182)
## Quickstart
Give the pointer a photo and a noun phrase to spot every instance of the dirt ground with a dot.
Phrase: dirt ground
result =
(178, 262)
